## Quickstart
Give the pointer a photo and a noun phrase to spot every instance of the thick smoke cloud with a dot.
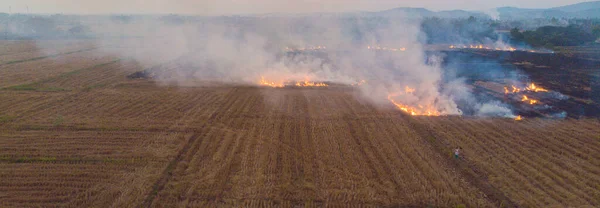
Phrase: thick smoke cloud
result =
(243, 50)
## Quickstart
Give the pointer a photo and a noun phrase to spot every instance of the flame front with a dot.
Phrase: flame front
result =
(419, 110)
(534, 88)
(310, 84)
(483, 47)
(280, 84)
(518, 118)
(379, 48)
(264, 82)
(531, 87)
(530, 101)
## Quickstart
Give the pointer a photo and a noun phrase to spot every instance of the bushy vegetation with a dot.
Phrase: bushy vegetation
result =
(455, 31)
(550, 36)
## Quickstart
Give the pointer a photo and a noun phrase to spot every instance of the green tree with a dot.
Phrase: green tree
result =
(472, 19)
(516, 34)
(596, 31)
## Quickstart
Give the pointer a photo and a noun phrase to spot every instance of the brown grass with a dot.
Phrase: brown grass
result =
(107, 141)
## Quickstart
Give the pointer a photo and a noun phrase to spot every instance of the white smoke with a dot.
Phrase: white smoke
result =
(244, 50)
(494, 109)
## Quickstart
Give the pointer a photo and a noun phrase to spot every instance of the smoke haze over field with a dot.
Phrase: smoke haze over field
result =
(247, 49)
(244, 50)
(209, 7)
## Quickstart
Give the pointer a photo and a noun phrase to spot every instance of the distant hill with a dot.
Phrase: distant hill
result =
(579, 7)
(580, 10)
(422, 12)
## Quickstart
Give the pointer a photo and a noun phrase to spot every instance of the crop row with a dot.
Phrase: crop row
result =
(33, 71)
(536, 163)
(281, 148)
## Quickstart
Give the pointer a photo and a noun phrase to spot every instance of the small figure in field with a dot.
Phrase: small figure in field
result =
(456, 152)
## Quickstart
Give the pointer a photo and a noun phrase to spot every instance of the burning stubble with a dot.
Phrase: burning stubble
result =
(380, 56)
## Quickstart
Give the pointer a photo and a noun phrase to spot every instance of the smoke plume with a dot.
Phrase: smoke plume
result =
(384, 52)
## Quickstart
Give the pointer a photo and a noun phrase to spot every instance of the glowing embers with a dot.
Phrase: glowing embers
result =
(287, 83)
(309, 48)
(379, 48)
(482, 47)
(361, 82)
(418, 110)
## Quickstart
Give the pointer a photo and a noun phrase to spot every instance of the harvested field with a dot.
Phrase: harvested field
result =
(29, 72)
(41, 46)
(536, 163)
(104, 140)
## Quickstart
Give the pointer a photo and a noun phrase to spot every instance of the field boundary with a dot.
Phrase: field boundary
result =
(71, 160)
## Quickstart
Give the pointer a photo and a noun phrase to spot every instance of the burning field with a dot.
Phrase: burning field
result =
(291, 111)
(100, 131)
(470, 81)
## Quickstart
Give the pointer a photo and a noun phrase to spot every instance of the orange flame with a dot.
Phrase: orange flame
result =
(419, 110)
(534, 88)
(531, 87)
(518, 118)
(264, 82)
(531, 101)
(515, 89)
(280, 84)
(310, 84)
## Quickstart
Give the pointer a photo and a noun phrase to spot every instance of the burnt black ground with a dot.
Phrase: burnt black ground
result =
(575, 76)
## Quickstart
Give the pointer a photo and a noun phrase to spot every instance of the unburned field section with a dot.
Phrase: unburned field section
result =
(101, 75)
(28, 72)
(82, 169)
(133, 142)
(536, 163)
(19, 51)
(278, 147)
(112, 108)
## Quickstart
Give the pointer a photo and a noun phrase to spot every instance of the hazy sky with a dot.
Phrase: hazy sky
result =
(212, 7)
